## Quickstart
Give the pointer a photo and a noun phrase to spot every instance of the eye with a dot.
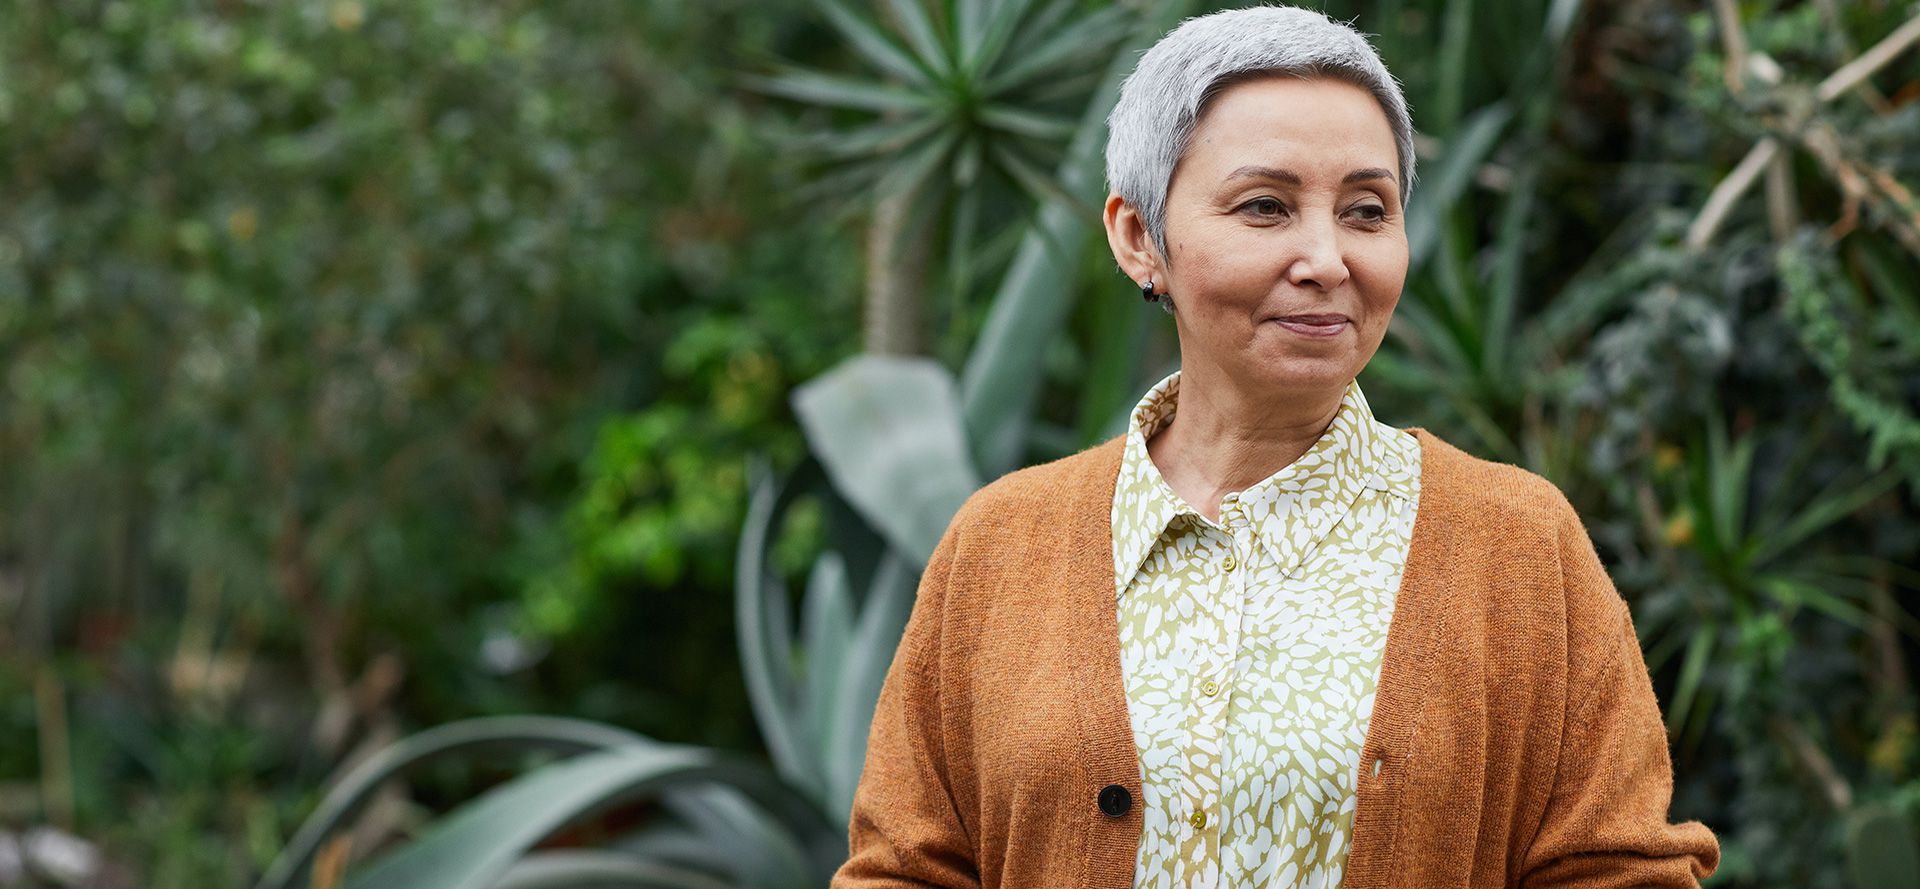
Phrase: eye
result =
(1371, 213)
(1265, 207)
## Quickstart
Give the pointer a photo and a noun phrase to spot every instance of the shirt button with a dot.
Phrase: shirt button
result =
(1210, 688)
(1198, 819)
(1231, 563)
(1115, 800)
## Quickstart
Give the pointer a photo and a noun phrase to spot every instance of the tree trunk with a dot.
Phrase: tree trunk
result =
(897, 254)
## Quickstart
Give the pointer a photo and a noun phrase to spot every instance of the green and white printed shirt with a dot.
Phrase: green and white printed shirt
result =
(1251, 648)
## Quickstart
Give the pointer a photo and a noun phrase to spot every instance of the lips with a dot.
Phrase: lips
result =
(1318, 327)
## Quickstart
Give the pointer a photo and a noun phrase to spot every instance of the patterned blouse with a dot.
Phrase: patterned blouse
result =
(1251, 648)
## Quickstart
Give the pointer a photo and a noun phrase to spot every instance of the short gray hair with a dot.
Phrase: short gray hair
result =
(1161, 101)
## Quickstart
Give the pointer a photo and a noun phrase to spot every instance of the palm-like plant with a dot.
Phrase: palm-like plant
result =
(962, 99)
(896, 437)
(1741, 526)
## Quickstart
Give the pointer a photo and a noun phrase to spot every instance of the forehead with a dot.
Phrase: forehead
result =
(1318, 123)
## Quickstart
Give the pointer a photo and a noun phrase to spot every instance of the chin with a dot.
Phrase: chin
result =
(1295, 371)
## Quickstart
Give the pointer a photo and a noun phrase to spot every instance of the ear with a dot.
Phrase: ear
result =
(1132, 246)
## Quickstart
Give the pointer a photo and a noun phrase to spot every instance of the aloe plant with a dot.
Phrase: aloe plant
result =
(896, 439)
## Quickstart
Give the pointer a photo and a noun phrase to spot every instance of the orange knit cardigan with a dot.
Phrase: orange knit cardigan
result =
(1515, 739)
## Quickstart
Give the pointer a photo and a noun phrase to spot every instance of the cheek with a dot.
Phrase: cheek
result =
(1225, 260)
(1379, 274)
(1205, 268)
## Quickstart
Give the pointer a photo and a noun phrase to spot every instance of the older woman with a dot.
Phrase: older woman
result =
(1264, 639)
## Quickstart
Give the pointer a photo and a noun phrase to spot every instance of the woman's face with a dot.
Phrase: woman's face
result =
(1284, 228)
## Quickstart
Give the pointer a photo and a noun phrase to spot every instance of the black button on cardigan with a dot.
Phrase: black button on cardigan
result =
(1115, 800)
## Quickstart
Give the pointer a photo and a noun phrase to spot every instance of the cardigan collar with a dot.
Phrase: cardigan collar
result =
(1289, 511)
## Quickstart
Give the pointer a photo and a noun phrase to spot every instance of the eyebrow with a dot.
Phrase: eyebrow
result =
(1255, 171)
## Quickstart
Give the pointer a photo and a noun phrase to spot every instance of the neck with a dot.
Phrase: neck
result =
(1227, 436)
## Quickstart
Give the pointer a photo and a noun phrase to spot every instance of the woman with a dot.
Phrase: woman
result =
(1268, 641)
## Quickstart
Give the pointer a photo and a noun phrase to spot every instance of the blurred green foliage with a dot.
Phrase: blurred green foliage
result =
(373, 365)
(370, 363)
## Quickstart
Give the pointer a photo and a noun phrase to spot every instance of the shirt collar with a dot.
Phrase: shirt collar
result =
(1288, 511)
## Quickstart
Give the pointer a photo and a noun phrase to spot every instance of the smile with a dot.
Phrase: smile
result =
(1317, 331)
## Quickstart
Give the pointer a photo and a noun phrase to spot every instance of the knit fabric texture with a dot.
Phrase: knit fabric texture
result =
(1515, 738)
(1251, 647)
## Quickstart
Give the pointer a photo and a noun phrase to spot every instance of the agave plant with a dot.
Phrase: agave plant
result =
(718, 802)
(723, 820)
(962, 99)
(896, 439)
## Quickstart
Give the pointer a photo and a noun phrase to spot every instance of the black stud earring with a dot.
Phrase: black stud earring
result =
(1164, 299)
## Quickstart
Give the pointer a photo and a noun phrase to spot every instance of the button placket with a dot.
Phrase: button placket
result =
(1232, 519)
(1219, 706)
(1213, 663)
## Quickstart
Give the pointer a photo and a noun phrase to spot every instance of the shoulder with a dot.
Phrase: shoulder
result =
(1046, 493)
(1487, 497)
(1522, 520)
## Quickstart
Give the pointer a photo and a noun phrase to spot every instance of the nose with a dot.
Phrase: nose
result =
(1317, 261)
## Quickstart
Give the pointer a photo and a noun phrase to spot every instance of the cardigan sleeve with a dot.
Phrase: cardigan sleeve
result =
(1605, 823)
(905, 829)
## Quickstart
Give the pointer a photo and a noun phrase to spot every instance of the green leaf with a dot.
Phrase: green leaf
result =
(826, 632)
(1461, 156)
(969, 28)
(760, 604)
(922, 36)
(883, 619)
(886, 138)
(718, 849)
(1026, 123)
(1692, 671)
(846, 193)
(1070, 48)
(1510, 249)
(1034, 28)
(1833, 505)
(916, 172)
(888, 431)
(867, 39)
(1661, 642)
(832, 90)
(1729, 471)
(764, 852)
(472, 847)
(1037, 183)
(348, 792)
(1450, 274)
(1450, 81)
(599, 869)
(1003, 373)
(982, 53)
(1793, 592)
(968, 162)
(1108, 388)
